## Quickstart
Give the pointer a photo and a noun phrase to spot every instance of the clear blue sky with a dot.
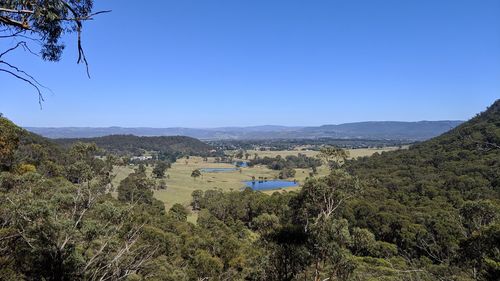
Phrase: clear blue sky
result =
(226, 63)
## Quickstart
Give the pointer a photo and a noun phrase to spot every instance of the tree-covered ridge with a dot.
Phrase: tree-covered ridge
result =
(464, 160)
(19, 148)
(135, 145)
(439, 200)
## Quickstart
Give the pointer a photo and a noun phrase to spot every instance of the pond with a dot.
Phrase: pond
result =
(241, 164)
(270, 184)
(218, 170)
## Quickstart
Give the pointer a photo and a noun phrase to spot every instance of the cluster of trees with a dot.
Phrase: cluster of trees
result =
(286, 173)
(160, 168)
(311, 144)
(288, 163)
(306, 235)
(333, 156)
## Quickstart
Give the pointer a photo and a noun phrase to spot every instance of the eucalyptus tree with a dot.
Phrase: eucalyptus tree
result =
(333, 156)
(196, 173)
(317, 209)
(37, 27)
(160, 168)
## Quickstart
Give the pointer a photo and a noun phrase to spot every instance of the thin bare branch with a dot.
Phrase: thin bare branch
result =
(40, 96)
(11, 35)
(16, 11)
(19, 44)
(25, 73)
(81, 53)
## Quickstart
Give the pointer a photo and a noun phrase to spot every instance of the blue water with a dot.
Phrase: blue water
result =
(218, 170)
(270, 184)
(241, 164)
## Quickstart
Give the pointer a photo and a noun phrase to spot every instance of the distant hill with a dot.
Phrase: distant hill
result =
(414, 131)
(134, 144)
(384, 130)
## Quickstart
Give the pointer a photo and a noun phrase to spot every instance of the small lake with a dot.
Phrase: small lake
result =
(218, 170)
(241, 164)
(270, 184)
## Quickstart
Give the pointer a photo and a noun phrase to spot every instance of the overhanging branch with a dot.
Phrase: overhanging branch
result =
(18, 19)
(40, 96)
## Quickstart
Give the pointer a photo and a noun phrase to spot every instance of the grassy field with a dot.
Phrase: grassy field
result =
(354, 153)
(180, 184)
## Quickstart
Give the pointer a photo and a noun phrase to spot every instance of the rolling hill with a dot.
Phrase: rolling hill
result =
(412, 131)
(135, 144)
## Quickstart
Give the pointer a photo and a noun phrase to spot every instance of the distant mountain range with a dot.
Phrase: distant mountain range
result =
(394, 130)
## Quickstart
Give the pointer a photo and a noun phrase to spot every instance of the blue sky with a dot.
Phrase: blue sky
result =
(236, 63)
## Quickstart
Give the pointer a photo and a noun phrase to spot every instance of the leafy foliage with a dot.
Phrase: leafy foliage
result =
(290, 161)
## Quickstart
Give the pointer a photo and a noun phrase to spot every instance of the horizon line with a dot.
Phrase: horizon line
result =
(241, 126)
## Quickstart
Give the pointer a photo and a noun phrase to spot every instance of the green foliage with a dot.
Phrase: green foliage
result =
(196, 173)
(477, 214)
(333, 156)
(287, 173)
(266, 224)
(129, 144)
(136, 188)
(363, 241)
(324, 197)
(160, 168)
(290, 161)
(436, 195)
(9, 141)
(178, 212)
(47, 20)
(207, 265)
(481, 251)
(197, 196)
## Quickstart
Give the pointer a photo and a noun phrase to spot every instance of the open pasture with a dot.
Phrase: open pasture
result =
(180, 184)
(353, 153)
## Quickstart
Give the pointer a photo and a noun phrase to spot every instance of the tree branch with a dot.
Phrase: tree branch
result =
(40, 96)
(16, 11)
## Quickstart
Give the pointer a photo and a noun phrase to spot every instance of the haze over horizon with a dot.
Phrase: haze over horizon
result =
(204, 65)
(247, 126)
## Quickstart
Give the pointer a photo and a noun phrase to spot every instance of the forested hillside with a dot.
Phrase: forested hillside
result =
(438, 201)
(427, 213)
(136, 145)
